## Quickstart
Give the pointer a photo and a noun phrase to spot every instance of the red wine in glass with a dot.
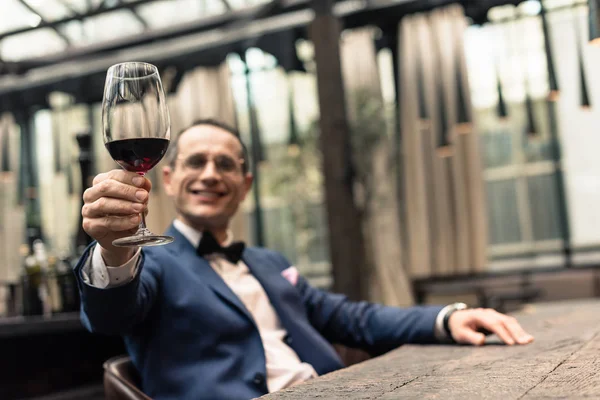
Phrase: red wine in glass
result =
(136, 129)
(139, 154)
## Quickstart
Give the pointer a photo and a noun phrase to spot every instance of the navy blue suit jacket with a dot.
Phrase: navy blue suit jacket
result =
(191, 337)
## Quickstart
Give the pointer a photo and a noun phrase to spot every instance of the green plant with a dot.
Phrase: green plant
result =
(368, 127)
(293, 174)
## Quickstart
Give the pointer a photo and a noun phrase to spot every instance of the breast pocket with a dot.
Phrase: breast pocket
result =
(288, 299)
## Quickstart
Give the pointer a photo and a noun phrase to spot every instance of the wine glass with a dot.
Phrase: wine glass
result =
(137, 131)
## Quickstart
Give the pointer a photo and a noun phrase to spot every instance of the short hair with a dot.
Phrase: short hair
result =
(173, 150)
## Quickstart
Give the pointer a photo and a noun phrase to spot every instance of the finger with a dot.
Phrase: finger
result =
(132, 231)
(126, 177)
(110, 206)
(115, 189)
(100, 227)
(116, 174)
(147, 184)
(516, 331)
(466, 335)
(119, 224)
(495, 325)
(99, 178)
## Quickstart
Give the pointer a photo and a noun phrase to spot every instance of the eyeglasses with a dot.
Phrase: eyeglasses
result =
(224, 164)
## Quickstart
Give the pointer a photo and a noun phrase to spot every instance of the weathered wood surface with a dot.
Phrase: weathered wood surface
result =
(563, 362)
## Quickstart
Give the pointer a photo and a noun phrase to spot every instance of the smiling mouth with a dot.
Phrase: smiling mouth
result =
(206, 194)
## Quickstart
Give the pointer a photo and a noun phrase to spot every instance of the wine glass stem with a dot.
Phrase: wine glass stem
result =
(143, 223)
(142, 226)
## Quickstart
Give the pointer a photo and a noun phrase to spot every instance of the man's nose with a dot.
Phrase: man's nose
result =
(210, 172)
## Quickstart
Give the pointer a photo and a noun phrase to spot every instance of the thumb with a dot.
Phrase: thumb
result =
(468, 336)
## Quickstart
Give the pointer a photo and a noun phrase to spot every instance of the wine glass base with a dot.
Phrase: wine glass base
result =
(143, 241)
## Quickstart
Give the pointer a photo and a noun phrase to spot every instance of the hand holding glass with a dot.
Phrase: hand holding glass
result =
(136, 126)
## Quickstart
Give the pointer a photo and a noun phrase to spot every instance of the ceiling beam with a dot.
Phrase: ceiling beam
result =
(104, 5)
(173, 43)
(69, 7)
(355, 13)
(212, 32)
(44, 21)
(134, 14)
(92, 13)
(226, 20)
(152, 52)
(227, 5)
(133, 11)
(140, 19)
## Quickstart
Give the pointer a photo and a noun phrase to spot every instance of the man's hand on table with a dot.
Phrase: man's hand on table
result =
(466, 327)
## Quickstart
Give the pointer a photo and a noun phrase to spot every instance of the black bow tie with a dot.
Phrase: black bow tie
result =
(209, 245)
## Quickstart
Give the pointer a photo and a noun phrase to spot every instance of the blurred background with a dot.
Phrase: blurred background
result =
(404, 151)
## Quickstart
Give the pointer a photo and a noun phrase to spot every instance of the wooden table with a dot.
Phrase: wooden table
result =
(563, 362)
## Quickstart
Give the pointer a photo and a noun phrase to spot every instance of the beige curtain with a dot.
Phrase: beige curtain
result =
(446, 223)
(12, 214)
(444, 38)
(60, 208)
(466, 137)
(417, 143)
(389, 282)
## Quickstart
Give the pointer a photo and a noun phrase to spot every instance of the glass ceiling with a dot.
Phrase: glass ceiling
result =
(41, 40)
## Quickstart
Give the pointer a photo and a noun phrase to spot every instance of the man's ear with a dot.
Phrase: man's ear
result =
(167, 174)
(248, 180)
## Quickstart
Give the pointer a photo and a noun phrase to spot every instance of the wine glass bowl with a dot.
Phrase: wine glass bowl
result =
(136, 128)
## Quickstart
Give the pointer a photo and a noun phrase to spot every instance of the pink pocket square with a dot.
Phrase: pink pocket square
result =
(291, 274)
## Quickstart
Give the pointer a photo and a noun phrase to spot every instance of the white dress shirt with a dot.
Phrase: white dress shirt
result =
(284, 368)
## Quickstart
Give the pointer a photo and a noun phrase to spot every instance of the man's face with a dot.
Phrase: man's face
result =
(207, 183)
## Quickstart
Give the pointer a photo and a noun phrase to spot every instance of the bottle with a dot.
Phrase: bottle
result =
(68, 286)
(56, 302)
(41, 258)
(31, 278)
(20, 294)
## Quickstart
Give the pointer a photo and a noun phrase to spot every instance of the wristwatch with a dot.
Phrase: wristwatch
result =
(451, 309)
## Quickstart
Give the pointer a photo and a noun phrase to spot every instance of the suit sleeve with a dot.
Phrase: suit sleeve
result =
(372, 327)
(117, 310)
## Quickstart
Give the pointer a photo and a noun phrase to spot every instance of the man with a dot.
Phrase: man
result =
(202, 323)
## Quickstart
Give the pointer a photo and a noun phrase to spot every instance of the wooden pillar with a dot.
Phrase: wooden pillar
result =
(345, 230)
(258, 156)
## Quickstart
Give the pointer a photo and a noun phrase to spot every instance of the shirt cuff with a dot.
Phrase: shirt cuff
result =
(439, 331)
(106, 277)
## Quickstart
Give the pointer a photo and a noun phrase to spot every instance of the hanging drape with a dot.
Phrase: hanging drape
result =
(417, 145)
(445, 39)
(467, 140)
(57, 155)
(445, 217)
(12, 214)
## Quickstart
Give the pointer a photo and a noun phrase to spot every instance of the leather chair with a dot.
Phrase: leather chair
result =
(121, 380)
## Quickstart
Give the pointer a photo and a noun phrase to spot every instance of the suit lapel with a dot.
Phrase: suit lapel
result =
(271, 281)
(308, 343)
(183, 250)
